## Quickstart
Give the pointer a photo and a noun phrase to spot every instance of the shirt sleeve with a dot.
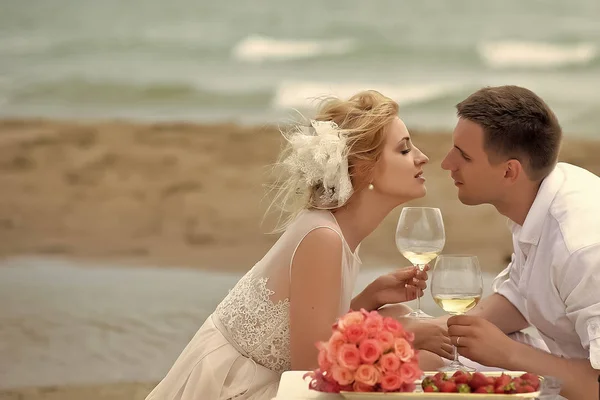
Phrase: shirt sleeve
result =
(507, 285)
(579, 288)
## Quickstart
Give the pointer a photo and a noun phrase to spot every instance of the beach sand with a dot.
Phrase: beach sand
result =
(182, 194)
(191, 195)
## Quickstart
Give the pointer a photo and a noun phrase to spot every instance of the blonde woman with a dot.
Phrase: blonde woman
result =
(344, 172)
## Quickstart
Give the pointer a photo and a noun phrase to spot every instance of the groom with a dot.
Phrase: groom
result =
(506, 145)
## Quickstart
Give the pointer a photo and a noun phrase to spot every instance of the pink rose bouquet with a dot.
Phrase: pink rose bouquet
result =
(366, 353)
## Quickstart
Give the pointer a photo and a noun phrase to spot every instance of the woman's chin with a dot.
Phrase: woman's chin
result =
(421, 192)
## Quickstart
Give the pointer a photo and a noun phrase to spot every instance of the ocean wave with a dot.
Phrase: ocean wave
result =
(126, 42)
(111, 92)
(22, 45)
(304, 94)
(509, 54)
(261, 48)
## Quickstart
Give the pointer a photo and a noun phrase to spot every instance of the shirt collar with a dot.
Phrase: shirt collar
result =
(531, 230)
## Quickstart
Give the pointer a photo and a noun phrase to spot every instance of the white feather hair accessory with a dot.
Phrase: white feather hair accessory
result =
(319, 155)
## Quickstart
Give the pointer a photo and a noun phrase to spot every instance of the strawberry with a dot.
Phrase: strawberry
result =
(506, 389)
(463, 388)
(502, 380)
(478, 380)
(448, 387)
(461, 377)
(517, 381)
(427, 381)
(484, 389)
(528, 388)
(440, 376)
(529, 376)
(525, 389)
(430, 388)
(532, 379)
(429, 385)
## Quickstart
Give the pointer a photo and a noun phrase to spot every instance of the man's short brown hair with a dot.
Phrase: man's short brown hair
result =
(517, 124)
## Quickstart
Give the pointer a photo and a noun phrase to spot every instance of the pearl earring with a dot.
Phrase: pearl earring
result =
(371, 187)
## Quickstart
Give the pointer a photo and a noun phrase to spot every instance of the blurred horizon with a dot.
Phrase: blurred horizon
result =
(254, 63)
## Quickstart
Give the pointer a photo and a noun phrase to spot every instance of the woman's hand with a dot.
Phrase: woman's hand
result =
(431, 337)
(402, 285)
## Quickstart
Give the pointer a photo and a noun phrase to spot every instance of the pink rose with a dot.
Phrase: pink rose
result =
(361, 387)
(403, 350)
(329, 376)
(342, 375)
(355, 333)
(348, 357)
(323, 360)
(393, 326)
(408, 387)
(385, 339)
(352, 318)
(370, 350)
(367, 374)
(373, 325)
(336, 341)
(391, 381)
(347, 388)
(410, 336)
(380, 369)
(390, 362)
(410, 371)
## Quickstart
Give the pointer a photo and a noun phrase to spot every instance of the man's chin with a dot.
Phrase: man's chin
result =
(467, 200)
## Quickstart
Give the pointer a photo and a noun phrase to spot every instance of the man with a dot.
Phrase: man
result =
(506, 145)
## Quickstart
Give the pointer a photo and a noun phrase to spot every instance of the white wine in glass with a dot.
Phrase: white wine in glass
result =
(456, 286)
(420, 237)
(457, 304)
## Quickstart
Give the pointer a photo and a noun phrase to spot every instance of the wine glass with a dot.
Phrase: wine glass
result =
(456, 286)
(420, 237)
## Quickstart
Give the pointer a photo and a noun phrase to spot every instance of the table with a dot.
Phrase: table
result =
(293, 387)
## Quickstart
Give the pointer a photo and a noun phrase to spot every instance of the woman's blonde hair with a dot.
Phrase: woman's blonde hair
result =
(363, 118)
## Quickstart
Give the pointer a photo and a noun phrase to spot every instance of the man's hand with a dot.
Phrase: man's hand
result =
(402, 285)
(501, 312)
(480, 340)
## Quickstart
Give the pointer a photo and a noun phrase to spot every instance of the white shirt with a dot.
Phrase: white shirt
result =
(554, 275)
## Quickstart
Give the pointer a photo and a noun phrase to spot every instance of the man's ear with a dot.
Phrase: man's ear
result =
(513, 169)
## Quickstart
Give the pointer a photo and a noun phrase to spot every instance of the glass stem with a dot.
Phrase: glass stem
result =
(456, 349)
(420, 268)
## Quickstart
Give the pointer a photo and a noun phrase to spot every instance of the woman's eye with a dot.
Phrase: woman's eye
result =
(406, 151)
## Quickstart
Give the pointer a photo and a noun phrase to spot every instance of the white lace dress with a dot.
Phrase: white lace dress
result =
(244, 346)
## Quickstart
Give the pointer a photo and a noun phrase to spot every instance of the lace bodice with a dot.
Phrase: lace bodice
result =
(258, 325)
(256, 312)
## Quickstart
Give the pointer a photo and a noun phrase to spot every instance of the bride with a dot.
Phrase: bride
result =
(343, 174)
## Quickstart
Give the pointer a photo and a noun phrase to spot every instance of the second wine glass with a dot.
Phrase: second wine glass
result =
(420, 237)
(456, 286)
